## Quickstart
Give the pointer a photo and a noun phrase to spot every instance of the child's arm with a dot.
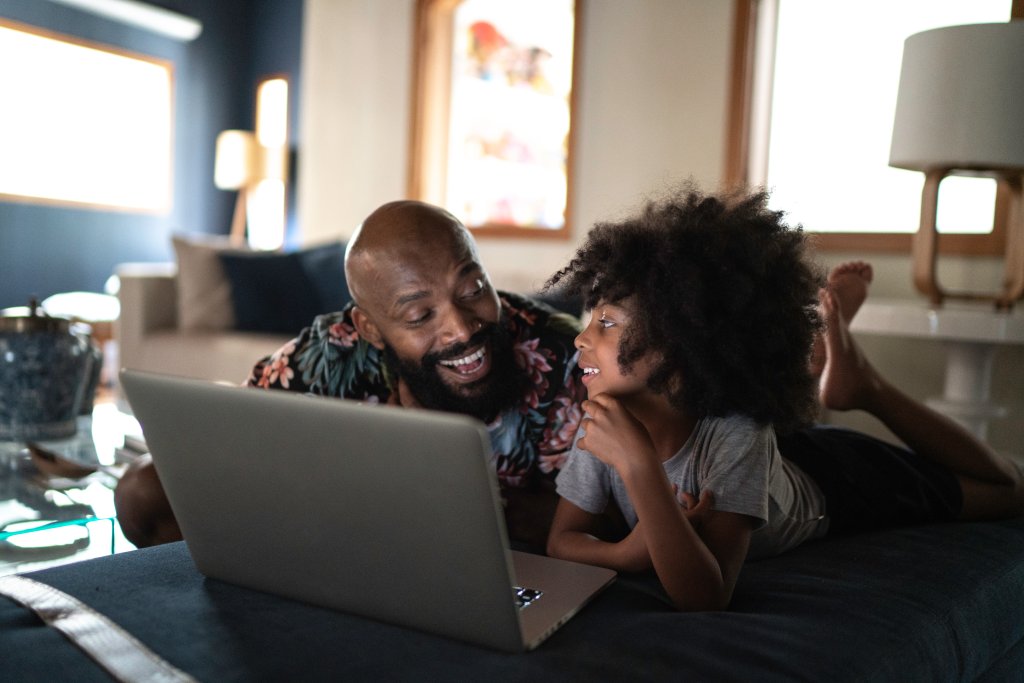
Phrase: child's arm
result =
(573, 536)
(698, 572)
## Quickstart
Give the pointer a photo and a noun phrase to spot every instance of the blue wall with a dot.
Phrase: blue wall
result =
(46, 249)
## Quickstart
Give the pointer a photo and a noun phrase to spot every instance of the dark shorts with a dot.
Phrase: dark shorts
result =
(870, 484)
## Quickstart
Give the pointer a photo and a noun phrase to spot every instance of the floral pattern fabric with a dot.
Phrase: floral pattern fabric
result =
(329, 358)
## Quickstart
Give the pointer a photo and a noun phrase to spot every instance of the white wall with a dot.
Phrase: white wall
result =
(652, 98)
(356, 69)
(651, 107)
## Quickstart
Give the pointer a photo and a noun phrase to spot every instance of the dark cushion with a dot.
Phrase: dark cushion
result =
(560, 301)
(283, 292)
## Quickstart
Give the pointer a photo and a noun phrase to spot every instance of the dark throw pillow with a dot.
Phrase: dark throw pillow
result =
(283, 292)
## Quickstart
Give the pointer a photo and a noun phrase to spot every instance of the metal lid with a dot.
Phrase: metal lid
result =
(32, 318)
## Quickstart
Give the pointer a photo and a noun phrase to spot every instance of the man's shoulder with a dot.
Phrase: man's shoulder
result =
(330, 358)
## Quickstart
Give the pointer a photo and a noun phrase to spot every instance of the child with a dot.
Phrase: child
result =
(704, 314)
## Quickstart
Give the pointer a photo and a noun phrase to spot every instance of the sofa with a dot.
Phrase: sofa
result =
(150, 337)
(931, 603)
(220, 306)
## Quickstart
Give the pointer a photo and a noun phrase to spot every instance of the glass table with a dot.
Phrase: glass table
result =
(57, 497)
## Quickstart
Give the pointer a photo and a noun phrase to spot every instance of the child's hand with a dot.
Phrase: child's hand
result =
(612, 434)
(695, 510)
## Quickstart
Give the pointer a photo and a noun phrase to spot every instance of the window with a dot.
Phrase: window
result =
(492, 115)
(814, 94)
(83, 124)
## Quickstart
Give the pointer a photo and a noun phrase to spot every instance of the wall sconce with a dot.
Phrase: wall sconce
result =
(960, 111)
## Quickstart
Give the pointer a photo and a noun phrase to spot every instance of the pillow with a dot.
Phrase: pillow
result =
(204, 292)
(283, 292)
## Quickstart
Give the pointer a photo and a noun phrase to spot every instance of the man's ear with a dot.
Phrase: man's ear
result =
(366, 329)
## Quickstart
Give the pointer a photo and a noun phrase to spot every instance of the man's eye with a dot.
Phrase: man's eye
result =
(476, 289)
(418, 318)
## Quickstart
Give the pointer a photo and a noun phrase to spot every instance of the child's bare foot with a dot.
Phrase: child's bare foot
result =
(847, 379)
(849, 281)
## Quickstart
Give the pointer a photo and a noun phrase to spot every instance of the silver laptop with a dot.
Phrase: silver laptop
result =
(386, 513)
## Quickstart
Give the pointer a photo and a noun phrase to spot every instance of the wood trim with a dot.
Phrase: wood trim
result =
(522, 231)
(966, 245)
(430, 89)
(741, 83)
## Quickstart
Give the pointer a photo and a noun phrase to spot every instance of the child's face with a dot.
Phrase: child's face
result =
(599, 353)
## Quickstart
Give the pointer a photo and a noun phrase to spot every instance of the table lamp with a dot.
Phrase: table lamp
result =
(960, 111)
(242, 163)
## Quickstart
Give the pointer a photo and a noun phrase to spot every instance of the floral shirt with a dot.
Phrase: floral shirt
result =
(330, 359)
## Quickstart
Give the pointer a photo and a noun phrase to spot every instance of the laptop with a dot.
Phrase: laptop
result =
(377, 511)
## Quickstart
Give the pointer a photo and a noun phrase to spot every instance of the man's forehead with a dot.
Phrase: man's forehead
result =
(410, 272)
(429, 280)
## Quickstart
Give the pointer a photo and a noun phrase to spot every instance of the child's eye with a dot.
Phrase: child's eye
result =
(605, 322)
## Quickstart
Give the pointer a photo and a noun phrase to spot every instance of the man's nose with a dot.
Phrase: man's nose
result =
(460, 325)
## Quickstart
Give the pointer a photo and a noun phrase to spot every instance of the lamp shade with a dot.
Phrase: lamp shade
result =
(961, 99)
(238, 160)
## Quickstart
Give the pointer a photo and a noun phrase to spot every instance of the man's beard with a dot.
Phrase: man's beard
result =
(483, 399)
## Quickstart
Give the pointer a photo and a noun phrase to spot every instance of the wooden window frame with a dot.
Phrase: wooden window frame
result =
(431, 99)
(737, 155)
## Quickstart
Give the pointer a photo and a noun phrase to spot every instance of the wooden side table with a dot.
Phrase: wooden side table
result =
(970, 332)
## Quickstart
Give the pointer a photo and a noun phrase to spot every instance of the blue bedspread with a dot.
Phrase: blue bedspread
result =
(937, 603)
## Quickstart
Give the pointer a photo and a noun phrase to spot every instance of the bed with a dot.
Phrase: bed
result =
(930, 603)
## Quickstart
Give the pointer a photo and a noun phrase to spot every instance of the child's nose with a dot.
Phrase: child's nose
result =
(580, 340)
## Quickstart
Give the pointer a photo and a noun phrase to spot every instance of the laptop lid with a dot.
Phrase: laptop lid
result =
(387, 513)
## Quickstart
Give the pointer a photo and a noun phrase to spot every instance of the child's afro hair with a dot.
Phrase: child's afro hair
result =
(724, 295)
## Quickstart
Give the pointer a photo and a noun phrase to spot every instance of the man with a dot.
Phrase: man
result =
(426, 329)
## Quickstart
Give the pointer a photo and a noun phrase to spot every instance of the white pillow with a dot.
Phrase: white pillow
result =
(204, 291)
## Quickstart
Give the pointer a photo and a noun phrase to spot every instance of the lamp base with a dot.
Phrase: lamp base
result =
(1011, 223)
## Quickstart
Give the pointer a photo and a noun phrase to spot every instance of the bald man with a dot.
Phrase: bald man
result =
(427, 329)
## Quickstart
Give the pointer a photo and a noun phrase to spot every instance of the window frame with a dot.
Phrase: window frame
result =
(431, 100)
(738, 153)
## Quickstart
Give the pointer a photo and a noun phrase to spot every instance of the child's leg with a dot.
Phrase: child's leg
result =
(992, 485)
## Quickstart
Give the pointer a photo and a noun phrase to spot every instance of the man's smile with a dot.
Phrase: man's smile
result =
(468, 368)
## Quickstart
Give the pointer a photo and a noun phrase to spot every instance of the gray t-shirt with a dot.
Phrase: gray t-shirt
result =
(739, 461)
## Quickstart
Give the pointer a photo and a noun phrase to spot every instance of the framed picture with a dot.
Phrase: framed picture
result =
(493, 114)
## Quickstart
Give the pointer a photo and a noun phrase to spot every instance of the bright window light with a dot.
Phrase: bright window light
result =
(836, 75)
(83, 125)
(266, 202)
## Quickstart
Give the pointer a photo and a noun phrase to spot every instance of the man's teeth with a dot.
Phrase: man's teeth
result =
(591, 371)
(475, 356)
